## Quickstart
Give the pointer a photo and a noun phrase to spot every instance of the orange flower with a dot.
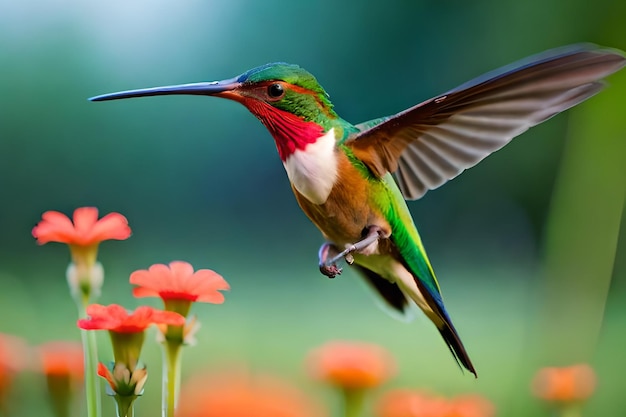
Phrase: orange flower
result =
(84, 275)
(115, 318)
(239, 394)
(351, 365)
(127, 330)
(13, 354)
(471, 406)
(62, 364)
(178, 286)
(569, 384)
(86, 230)
(13, 359)
(415, 403)
(62, 359)
(179, 282)
(412, 403)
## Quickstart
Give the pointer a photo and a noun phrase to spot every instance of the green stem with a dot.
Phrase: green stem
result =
(172, 354)
(354, 399)
(571, 410)
(90, 351)
(124, 405)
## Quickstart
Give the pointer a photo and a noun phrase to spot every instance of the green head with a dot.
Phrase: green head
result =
(290, 88)
(286, 98)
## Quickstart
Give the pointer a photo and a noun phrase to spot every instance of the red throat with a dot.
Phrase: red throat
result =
(289, 131)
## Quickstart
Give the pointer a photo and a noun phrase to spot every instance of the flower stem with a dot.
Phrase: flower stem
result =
(570, 410)
(124, 405)
(171, 376)
(353, 401)
(90, 351)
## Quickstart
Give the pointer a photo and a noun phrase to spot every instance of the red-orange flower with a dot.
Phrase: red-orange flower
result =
(179, 282)
(569, 384)
(416, 403)
(471, 406)
(13, 354)
(62, 358)
(86, 230)
(127, 330)
(351, 365)
(411, 403)
(62, 364)
(117, 319)
(84, 274)
(239, 394)
(13, 358)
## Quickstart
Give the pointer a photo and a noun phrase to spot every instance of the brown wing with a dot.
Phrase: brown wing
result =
(433, 142)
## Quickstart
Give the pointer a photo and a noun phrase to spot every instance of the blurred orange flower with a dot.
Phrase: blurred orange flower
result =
(62, 358)
(568, 384)
(13, 359)
(416, 403)
(411, 403)
(239, 394)
(471, 406)
(351, 365)
(117, 319)
(178, 281)
(62, 364)
(86, 230)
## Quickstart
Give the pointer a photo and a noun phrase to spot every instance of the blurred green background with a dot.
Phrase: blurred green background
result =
(527, 245)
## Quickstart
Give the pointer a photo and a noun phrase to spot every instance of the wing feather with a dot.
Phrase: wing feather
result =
(433, 142)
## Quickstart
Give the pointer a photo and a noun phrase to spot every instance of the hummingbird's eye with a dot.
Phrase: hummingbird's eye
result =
(275, 90)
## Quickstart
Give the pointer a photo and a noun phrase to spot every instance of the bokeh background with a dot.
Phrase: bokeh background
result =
(527, 246)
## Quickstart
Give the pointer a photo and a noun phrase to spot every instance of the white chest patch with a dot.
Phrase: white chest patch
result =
(313, 170)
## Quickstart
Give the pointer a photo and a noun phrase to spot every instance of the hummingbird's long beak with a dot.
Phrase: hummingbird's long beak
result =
(198, 89)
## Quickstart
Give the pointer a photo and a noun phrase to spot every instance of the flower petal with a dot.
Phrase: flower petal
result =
(54, 227)
(210, 283)
(84, 219)
(112, 226)
(140, 292)
(181, 271)
(105, 373)
(115, 318)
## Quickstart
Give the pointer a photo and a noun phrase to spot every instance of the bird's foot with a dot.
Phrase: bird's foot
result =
(330, 269)
(329, 255)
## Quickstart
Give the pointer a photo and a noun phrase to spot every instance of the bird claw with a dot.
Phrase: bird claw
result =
(331, 271)
(329, 254)
(327, 266)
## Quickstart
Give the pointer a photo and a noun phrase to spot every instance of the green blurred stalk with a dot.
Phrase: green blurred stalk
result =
(92, 386)
(172, 355)
(583, 228)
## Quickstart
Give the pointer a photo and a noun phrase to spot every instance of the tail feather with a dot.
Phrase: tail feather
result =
(451, 337)
(441, 319)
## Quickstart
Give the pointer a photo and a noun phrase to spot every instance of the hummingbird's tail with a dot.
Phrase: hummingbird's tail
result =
(422, 294)
(452, 339)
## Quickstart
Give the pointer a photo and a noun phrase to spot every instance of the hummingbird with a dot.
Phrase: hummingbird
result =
(353, 180)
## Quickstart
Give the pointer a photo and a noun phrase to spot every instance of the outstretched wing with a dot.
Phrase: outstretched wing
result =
(433, 142)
